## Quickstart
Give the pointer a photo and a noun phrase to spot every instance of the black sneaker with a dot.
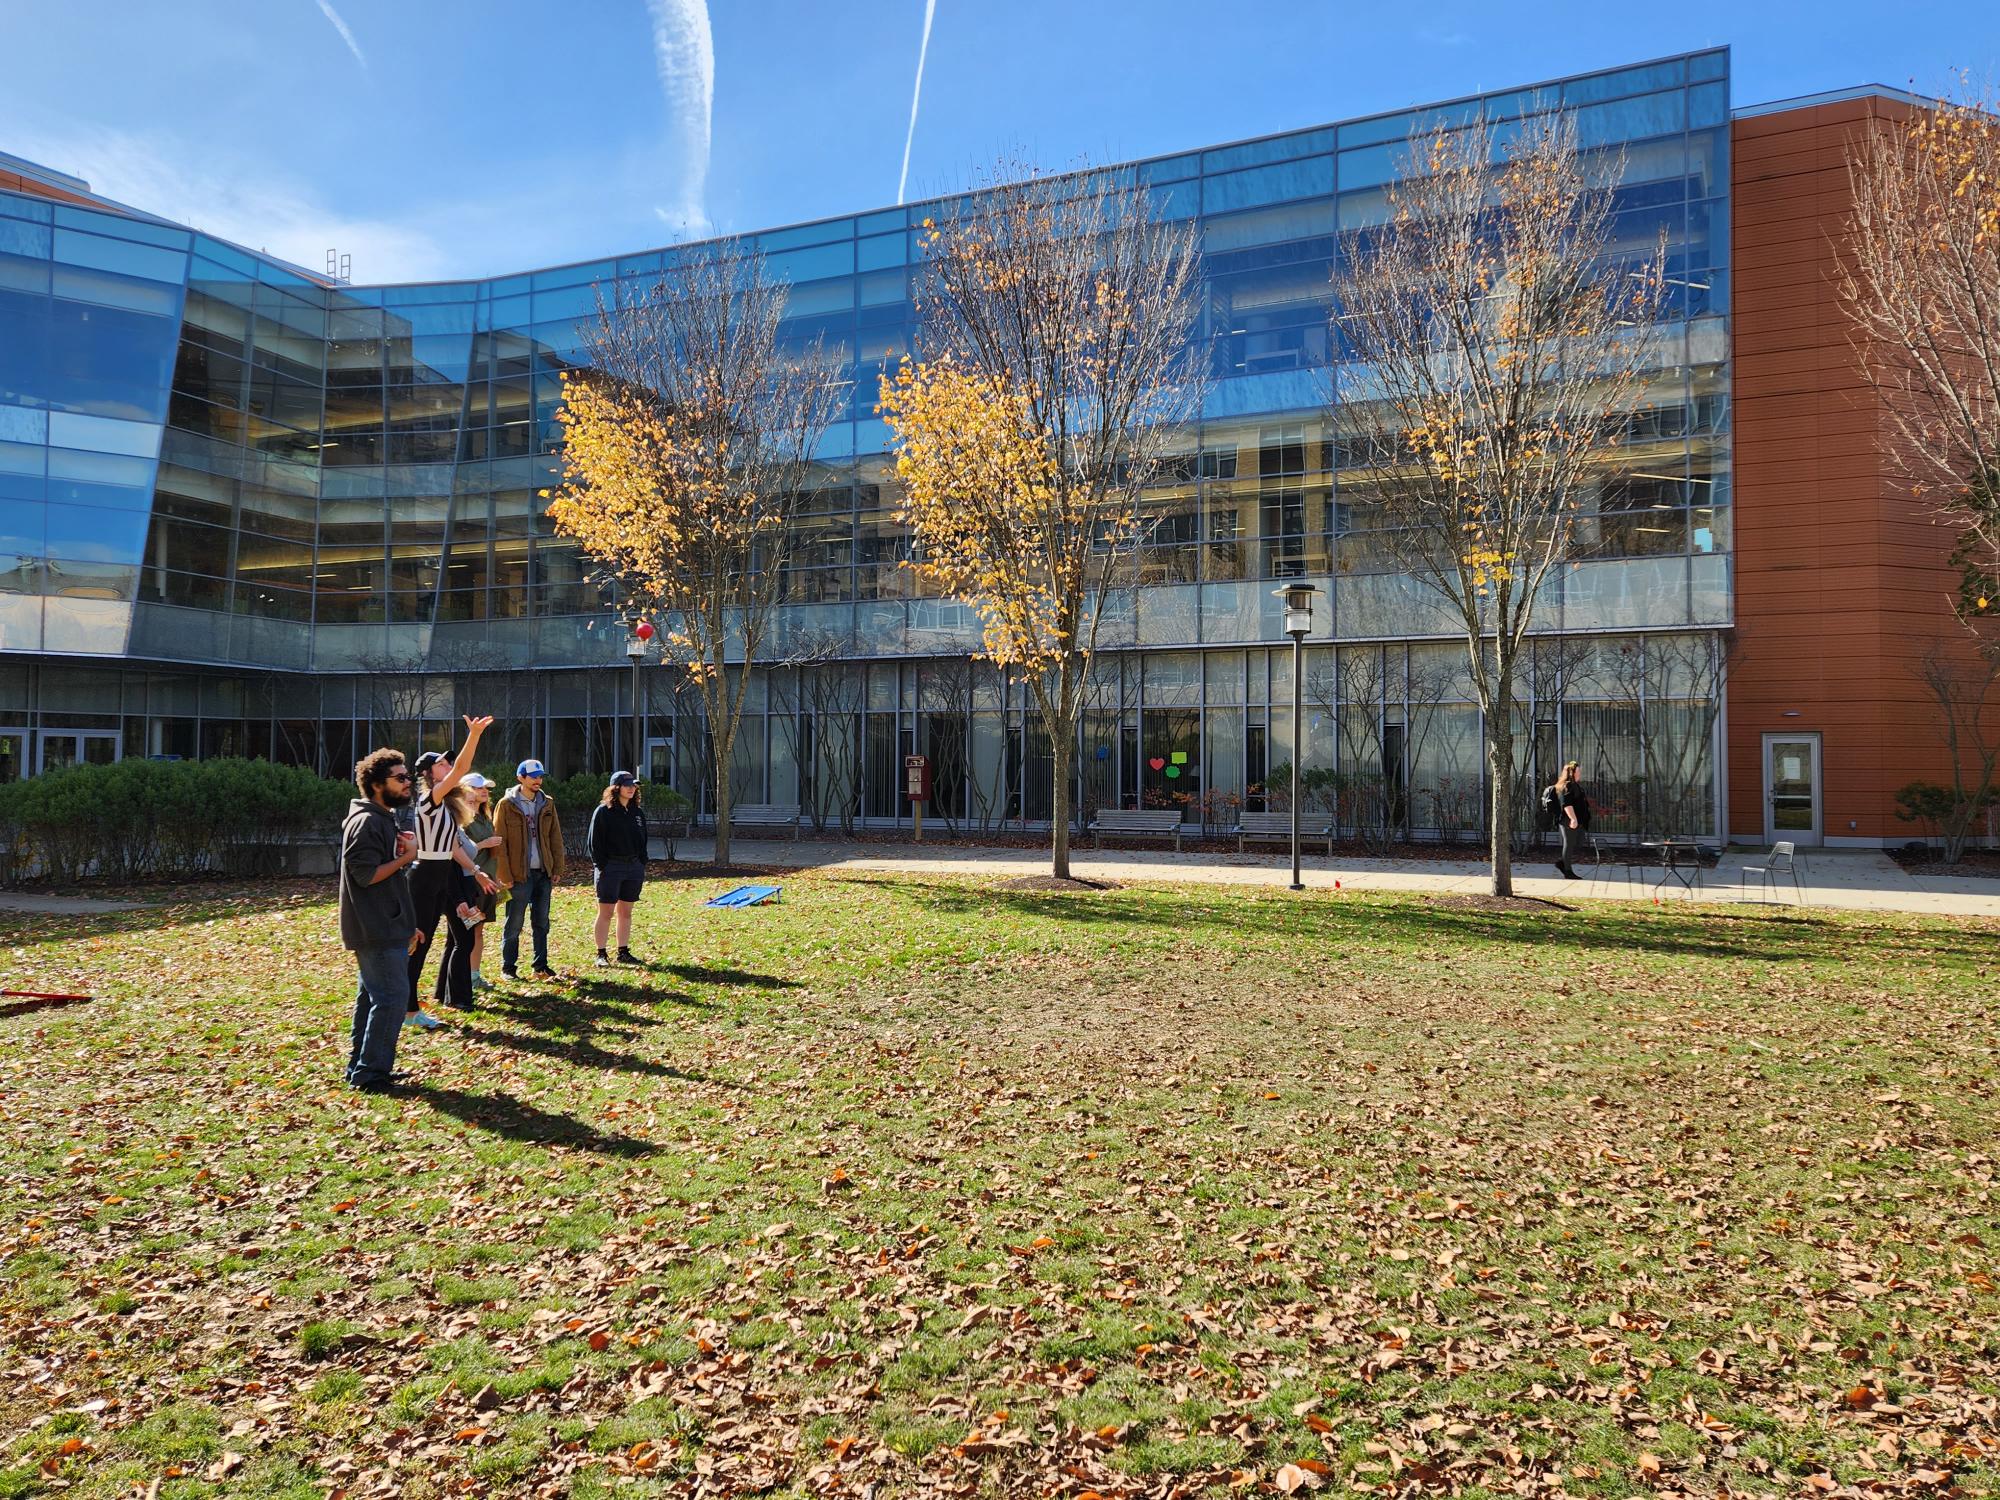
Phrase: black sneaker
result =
(543, 971)
(603, 959)
(627, 956)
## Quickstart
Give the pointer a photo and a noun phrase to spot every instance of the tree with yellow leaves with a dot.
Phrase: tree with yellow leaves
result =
(686, 448)
(1055, 365)
(1492, 350)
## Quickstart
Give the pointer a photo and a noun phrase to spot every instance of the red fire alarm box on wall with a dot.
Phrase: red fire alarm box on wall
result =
(916, 778)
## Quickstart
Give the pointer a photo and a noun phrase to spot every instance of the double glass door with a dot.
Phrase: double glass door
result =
(13, 755)
(76, 747)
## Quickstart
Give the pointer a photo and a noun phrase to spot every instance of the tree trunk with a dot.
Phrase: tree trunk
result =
(723, 739)
(1500, 766)
(1062, 751)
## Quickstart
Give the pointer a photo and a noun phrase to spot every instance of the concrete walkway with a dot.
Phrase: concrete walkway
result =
(1849, 879)
(43, 905)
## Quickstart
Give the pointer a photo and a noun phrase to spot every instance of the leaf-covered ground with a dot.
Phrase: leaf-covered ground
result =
(919, 1187)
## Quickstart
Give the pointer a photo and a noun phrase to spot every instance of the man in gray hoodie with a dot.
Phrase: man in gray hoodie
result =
(378, 916)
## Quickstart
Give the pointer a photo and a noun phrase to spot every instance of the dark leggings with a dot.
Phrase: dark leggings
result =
(438, 886)
(454, 976)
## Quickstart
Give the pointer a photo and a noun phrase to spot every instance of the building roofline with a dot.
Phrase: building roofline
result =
(76, 184)
(1835, 96)
(1136, 162)
(70, 183)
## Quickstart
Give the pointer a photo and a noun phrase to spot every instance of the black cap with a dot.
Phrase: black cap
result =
(623, 778)
(428, 759)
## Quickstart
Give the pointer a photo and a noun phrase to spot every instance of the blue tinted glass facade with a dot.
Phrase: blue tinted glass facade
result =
(209, 458)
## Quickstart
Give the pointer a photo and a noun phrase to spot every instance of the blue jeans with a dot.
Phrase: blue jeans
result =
(380, 1003)
(532, 890)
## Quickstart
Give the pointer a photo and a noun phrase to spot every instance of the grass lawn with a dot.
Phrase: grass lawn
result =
(913, 1186)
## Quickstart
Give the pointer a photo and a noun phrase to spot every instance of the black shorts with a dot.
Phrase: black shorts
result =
(620, 882)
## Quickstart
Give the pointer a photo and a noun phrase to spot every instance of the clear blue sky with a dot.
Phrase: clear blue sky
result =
(447, 138)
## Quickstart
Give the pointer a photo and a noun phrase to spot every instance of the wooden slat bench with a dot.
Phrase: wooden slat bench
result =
(1276, 828)
(752, 817)
(1138, 822)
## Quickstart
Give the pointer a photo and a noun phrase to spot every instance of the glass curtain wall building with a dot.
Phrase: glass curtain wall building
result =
(247, 511)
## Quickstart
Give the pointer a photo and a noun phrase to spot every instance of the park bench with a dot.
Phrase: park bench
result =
(1276, 828)
(1138, 822)
(753, 817)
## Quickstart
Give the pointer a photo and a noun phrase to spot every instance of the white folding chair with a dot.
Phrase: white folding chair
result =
(1783, 860)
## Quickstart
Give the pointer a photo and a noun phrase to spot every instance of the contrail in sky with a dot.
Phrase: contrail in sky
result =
(326, 9)
(684, 54)
(902, 182)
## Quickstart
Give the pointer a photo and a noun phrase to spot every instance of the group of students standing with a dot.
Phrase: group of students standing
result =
(430, 845)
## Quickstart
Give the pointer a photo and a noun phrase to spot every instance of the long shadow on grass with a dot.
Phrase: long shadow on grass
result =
(583, 1053)
(517, 1120)
(1323, 917)
(577, 1012)
(734, 978)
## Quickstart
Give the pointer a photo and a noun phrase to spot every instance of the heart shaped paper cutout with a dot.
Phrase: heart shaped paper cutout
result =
(1157, 761)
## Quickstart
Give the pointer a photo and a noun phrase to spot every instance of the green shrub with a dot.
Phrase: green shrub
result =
(144, 818)
(1949, 815)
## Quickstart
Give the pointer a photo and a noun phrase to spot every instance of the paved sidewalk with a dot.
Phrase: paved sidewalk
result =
(43, 905)
(1849, 879)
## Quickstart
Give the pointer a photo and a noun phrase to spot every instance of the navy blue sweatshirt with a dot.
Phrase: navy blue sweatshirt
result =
(616, 834)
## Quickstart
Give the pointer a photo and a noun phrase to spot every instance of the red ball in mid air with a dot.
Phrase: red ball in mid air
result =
(643, 630)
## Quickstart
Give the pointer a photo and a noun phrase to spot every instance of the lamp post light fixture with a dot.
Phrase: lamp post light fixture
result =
(1298, 599)
(635, 651)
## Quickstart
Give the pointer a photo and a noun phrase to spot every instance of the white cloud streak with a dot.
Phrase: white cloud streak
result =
(916, 94)
(684, 54)
(234, 200)
(326, 9)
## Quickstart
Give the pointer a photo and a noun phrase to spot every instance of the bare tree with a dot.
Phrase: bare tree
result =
(1057, 365)
(687, 451)
(819, 716)
(1966, 695)
(944, 694)
(1919, 280)
(1452, 793)
(1496, 353)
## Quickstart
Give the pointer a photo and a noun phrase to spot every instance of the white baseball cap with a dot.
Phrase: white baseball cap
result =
(474, 780)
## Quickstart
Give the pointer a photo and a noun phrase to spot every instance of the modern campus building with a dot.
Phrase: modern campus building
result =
(248, 510)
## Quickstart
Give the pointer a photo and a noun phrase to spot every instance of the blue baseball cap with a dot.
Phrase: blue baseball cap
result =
(531, 768)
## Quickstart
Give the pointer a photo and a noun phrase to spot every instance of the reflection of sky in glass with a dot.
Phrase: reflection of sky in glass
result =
(378, 449)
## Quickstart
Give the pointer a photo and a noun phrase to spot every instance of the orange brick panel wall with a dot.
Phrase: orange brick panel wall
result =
(1840, 576)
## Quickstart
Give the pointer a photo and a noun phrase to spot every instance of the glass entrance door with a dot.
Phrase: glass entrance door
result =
(77, 747)
(1791, 788)
(13, 755)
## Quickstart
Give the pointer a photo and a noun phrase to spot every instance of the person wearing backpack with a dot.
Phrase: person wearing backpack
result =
(1567, 804)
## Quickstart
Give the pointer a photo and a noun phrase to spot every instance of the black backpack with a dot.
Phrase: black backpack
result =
(1551, 808)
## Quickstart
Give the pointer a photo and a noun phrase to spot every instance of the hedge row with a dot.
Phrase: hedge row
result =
(141, 818)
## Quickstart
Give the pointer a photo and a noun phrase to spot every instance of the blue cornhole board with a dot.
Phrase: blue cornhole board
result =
(746, 895)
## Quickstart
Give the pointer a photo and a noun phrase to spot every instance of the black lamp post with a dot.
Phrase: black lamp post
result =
(1298, 599)
(635, 649)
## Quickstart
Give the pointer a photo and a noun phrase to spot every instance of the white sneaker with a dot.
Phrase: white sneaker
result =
(423, 1020)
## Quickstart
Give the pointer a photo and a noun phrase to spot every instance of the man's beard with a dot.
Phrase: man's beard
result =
(391, 797)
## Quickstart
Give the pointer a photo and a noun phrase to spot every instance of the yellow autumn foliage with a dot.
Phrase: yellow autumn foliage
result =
(997, 526)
